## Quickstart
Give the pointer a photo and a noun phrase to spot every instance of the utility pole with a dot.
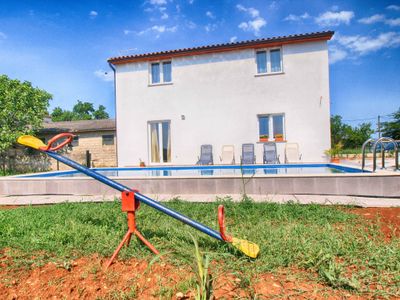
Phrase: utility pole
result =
(379, 126)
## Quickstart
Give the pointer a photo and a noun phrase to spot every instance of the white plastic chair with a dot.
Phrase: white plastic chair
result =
(292, 154)
(227, 155)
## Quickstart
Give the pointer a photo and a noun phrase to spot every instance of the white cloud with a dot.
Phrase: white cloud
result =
(233, 39)
(126, 31)
(164, 16)
(3, 36)
(273, 5)
(191, 25)
(331, 18)
(190, 1)
(158, 2)
(253, 25)
(364, 44)
(295, 18)
(210, 27)
(103, 75)
(336, 54)
(393, 22)
(372, 19)
(380, 18)
(254, 13)
(393, 7)
(210, 15)
(158, 29)
(93, 14)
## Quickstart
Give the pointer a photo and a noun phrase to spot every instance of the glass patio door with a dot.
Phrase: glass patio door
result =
(160, 142)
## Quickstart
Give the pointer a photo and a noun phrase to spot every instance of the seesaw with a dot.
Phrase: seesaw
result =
(131, 200)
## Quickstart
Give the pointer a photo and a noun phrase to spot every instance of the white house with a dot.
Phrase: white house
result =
(170, 103)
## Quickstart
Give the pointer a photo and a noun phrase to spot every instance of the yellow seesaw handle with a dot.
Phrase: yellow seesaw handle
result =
(31, 141)
(248, 248)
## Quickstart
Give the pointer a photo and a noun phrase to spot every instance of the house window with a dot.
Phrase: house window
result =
(263, 122)
(108, 139)
(75, 141)
(167, 71)
(161, 72)
(155, 73)
(160, 141)
(271, 127)
(269, 61)
(276, 60)
(262, 62)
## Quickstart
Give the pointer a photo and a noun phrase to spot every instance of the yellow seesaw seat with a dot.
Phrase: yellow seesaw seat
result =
(31, 141)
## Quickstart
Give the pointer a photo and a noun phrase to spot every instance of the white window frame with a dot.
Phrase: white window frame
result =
(271, 126)
(268, 61)
(160, 141)
(162, 82)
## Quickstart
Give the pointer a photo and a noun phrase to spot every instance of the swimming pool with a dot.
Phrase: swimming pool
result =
(261, 180)
(194, 171)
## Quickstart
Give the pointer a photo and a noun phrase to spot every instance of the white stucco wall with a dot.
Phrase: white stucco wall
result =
(221, 97)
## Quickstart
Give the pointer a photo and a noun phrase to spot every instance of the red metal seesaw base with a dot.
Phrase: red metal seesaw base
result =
(130, 205)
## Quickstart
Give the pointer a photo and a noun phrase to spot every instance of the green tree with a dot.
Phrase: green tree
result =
(59, 114)
(355, 136)
(350, 137)
(22, 109)
(80, 111)
(100, 113)
(83, 111)
(392, 128)
(337, 130)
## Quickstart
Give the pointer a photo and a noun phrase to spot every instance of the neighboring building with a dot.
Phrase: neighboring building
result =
(170, 103)
(95, 136)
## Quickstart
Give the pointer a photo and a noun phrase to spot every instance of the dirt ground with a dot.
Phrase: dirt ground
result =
(86, 278)
(387, 218)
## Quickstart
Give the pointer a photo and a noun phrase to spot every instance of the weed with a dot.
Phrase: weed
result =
(204, 280)
(121, 295)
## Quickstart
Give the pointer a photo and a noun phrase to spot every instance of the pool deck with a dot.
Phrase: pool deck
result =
(302, 199)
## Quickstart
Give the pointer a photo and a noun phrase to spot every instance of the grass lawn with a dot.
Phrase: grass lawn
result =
(341, 249)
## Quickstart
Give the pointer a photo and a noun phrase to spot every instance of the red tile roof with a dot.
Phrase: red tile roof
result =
(258, 43)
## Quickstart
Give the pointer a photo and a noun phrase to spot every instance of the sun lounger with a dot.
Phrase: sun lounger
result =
(206, 156)
(270, 155)
(248, 157)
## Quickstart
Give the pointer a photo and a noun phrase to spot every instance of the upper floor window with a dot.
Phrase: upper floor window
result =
(271, 127)
(269, 61)
(161, 72)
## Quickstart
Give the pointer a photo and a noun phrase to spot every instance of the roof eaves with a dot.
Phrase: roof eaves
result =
(296, 38)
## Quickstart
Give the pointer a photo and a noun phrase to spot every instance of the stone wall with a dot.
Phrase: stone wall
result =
(101, 155)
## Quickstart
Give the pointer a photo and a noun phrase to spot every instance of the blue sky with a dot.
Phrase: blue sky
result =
(62, 46)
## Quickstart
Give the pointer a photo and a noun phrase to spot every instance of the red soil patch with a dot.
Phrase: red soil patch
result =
(85, 278)
(5, 207)
(387, 218)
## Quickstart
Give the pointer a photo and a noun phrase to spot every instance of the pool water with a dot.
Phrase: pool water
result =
(196, 171)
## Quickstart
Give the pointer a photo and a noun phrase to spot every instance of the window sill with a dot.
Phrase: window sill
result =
(284, 141)
(268, 74)
(160, 84)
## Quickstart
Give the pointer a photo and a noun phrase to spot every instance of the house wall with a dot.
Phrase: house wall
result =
(102, 155)
(221, 96)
